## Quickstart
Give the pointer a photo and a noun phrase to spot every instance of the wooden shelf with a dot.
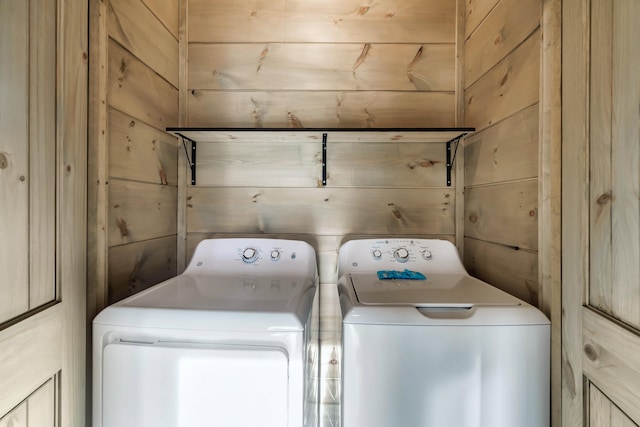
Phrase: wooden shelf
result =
(447, 136)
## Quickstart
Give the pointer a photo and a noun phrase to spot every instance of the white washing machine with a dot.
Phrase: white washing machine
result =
(225, 343)
(446, 351)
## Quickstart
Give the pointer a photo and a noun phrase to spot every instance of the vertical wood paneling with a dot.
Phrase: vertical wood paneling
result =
(41, 410)
(135, 27)
(42, 153)
(625, 135)
(603, 413)
(16, 418)
(182, 121)
(14, 158)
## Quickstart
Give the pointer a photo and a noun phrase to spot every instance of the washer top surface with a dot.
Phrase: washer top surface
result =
(230, 284)
(438, 290)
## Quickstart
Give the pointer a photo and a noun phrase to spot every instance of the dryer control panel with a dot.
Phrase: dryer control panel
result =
(253, 257)
(424, 255)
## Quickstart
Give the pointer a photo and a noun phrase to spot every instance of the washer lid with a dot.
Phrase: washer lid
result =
(217, 303)
(439, 290)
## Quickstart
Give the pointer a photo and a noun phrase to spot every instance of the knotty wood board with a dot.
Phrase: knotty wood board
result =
(604, 413)
(387, 21)
(611, 357)
(140, 152)
(14, 159)
(504, 213)
(475, 12)
(514, 271)
(320, 66)
(167, 12)
(504, 151)
(615, 218)
(510, 86)
(508, 25)
(135, 267)
(362, 109)
(135, 27)
(320, 211)
(138, 91)
(296, 164)
(140, 211)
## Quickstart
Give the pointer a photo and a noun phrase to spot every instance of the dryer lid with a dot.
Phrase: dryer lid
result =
(438, 290)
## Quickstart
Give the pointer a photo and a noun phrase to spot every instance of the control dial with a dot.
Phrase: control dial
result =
(249, 255)
(376, 254)
(426, 254)
(401, 255)
(275, 255)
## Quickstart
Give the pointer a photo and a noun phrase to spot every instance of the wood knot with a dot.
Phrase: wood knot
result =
(363, 10)
(498, 39)
(4, 161)
(505, 79)
(590, 352)
(473, 218)
(122, 225)
(532, 213)
(604, 199)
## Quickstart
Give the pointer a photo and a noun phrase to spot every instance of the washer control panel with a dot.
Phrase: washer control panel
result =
(372, 255)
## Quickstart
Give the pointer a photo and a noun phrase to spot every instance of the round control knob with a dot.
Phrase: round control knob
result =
(275, 255)
(377, 254)
(426, 254)
(401, 255)
(249, 255)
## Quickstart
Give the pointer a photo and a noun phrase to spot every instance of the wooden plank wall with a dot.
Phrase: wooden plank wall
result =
(320, 64)
(501, 92)
(133, 223)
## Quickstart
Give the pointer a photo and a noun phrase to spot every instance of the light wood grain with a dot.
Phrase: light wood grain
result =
(575, 203)
(322, 211)
(16, 418)
(135, 267)
(314, 66)
(167, 12)
(36, 356)
(138, 91)
(140, 152)
(625, 136)
(299, 164)
(362, 109)
(510, 86)
(42, 153)
(133, 25)
(505, 151)
(611, 360)
(182, 121)
(230, 21)
(603, 413)
(41, 411)
(600, 144)
(514, 271)
(475, 12)
(14, 159)
(140, 211)
(504, 213)
(550, 193)
(508, 25)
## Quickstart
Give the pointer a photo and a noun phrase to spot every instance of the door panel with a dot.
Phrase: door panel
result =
(43, 96)
(603, 413)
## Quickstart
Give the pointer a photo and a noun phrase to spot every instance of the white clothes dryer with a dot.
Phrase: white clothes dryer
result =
(446, 351)
(225, 343)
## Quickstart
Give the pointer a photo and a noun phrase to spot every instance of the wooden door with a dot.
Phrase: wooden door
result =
(43, 95)
(601, 213)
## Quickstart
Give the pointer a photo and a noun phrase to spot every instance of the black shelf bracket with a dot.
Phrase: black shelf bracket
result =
(451, 157)
(324, 159)
(192, 160)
